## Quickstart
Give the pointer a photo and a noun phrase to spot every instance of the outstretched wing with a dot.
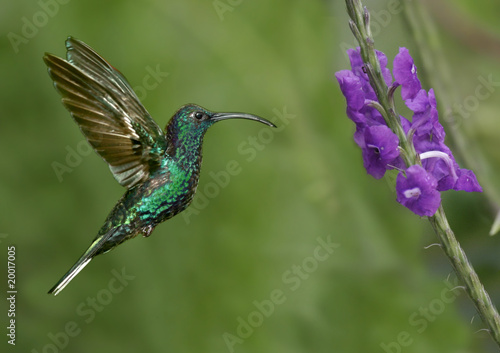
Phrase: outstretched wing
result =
(108, 112)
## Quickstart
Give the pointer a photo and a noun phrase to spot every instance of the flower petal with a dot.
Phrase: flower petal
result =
(467, 181)
(379, 150)
(417, 191)
(386, 73)
(405, 73)
(419, 103)
(351, 88)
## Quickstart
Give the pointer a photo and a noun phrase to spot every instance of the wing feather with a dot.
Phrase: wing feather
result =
(108, 112)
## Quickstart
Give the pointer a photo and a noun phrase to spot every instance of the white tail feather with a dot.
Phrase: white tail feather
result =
(69, 276)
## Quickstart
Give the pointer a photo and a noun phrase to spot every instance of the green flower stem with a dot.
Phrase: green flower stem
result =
(360, 26)
(466, 273)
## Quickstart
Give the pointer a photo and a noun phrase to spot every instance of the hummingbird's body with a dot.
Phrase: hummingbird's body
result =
(166, 193)
(159, 169)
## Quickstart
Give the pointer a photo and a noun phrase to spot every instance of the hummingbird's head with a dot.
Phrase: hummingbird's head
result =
(189, 124)
(187, 127)
(196, 119)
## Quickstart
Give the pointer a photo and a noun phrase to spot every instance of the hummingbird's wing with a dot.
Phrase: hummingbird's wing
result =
(108, 112)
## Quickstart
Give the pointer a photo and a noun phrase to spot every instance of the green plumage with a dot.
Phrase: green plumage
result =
(159, 169)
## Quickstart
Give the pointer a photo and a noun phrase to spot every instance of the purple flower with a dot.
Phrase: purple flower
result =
(444, 168)
(419, 186)
(417, 191)
(358, 93)
(425, 118)
(467, 181)
(405, 74)
(419, 102)
(351, 88)
(380, 150)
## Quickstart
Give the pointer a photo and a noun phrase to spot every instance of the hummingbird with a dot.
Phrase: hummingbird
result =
(160, 169)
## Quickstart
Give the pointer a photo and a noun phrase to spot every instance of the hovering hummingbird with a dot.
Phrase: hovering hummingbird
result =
(160, 169)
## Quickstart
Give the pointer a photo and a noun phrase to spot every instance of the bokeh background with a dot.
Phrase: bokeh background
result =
(189, 286)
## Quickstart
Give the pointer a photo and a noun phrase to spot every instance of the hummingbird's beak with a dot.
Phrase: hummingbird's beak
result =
(224, 116)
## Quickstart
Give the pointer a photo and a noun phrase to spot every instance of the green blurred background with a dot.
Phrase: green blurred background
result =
(192, 283)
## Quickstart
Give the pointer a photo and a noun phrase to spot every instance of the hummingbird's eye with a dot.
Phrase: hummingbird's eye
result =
(199, 115)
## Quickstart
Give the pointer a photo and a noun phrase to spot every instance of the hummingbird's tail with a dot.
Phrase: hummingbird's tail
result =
(63, 282)
(97, 247)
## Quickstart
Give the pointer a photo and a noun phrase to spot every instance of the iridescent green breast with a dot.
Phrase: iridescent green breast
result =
(168, 192)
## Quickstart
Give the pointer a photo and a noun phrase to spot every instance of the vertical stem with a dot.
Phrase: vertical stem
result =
(466, 273)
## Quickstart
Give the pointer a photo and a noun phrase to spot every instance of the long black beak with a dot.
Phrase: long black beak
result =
(224, 116)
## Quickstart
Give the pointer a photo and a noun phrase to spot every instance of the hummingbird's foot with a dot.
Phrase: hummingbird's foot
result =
(146, 231)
